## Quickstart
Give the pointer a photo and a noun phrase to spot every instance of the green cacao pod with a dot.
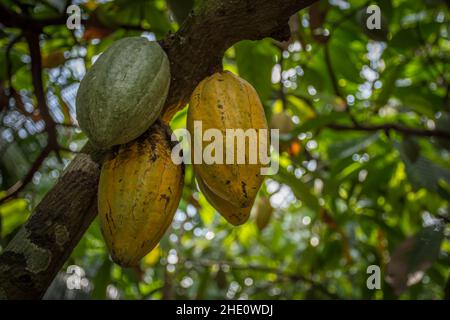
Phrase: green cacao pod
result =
(123, 93)
(139, 191)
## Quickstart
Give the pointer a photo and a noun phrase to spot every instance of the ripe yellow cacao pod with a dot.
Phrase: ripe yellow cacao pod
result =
(225, 101)
(234, 215)
(139, 191)
(263, 212)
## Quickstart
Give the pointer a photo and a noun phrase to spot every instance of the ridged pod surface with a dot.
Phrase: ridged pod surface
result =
(123, 93)
(234, 215)
(139, 191)
(225, 101)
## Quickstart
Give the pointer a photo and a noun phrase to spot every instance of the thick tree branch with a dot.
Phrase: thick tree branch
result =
(196, 50)
(39, 250)
(13, 19)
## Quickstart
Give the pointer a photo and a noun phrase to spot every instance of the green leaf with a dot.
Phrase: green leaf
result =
(413, 257)
(319, 122)
(13, 163)
(346, 148)
(16, 63)
(301, 108)
(300, 189)
(181, 9)
(102, 279)
(255, 61)
(418, 99)
(345, 62)
(411, 149)
(405, 39)
(13, 214)
(425, 173)
(389, 77)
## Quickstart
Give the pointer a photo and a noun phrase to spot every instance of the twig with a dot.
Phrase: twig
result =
(331, 73)
(392, 126)
(334, 82)
(8, 57)
(68, 150)
(19, 185)
(348, 16)
(13, 19)
(281, 92)
(444, 218)
(36, 74)
(67, 125)
(279, 273)
(133, 27)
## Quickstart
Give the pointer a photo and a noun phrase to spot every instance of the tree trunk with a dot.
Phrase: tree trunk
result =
(40, 248)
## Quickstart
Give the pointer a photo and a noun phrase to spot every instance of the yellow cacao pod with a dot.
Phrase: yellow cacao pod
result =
(263, 212)
(224, 101)
(234, 215)
(139, 191)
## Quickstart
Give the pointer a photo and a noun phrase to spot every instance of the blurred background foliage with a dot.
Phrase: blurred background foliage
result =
(364, 117)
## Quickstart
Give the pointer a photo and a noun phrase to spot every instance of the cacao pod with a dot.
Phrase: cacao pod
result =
(221, 279)
(139, 191)
(263, 212)
(234, 215)
(123, 93)
(283, 122)
(224, 101)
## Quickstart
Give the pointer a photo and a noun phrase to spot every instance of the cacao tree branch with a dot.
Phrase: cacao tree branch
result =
(392, 126)
(13, 19)
(283, 275)
(36, 253)
(34, 256)
(196, 50)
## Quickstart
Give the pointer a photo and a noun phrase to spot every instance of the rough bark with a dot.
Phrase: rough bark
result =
(39, 250)
(196, 50)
